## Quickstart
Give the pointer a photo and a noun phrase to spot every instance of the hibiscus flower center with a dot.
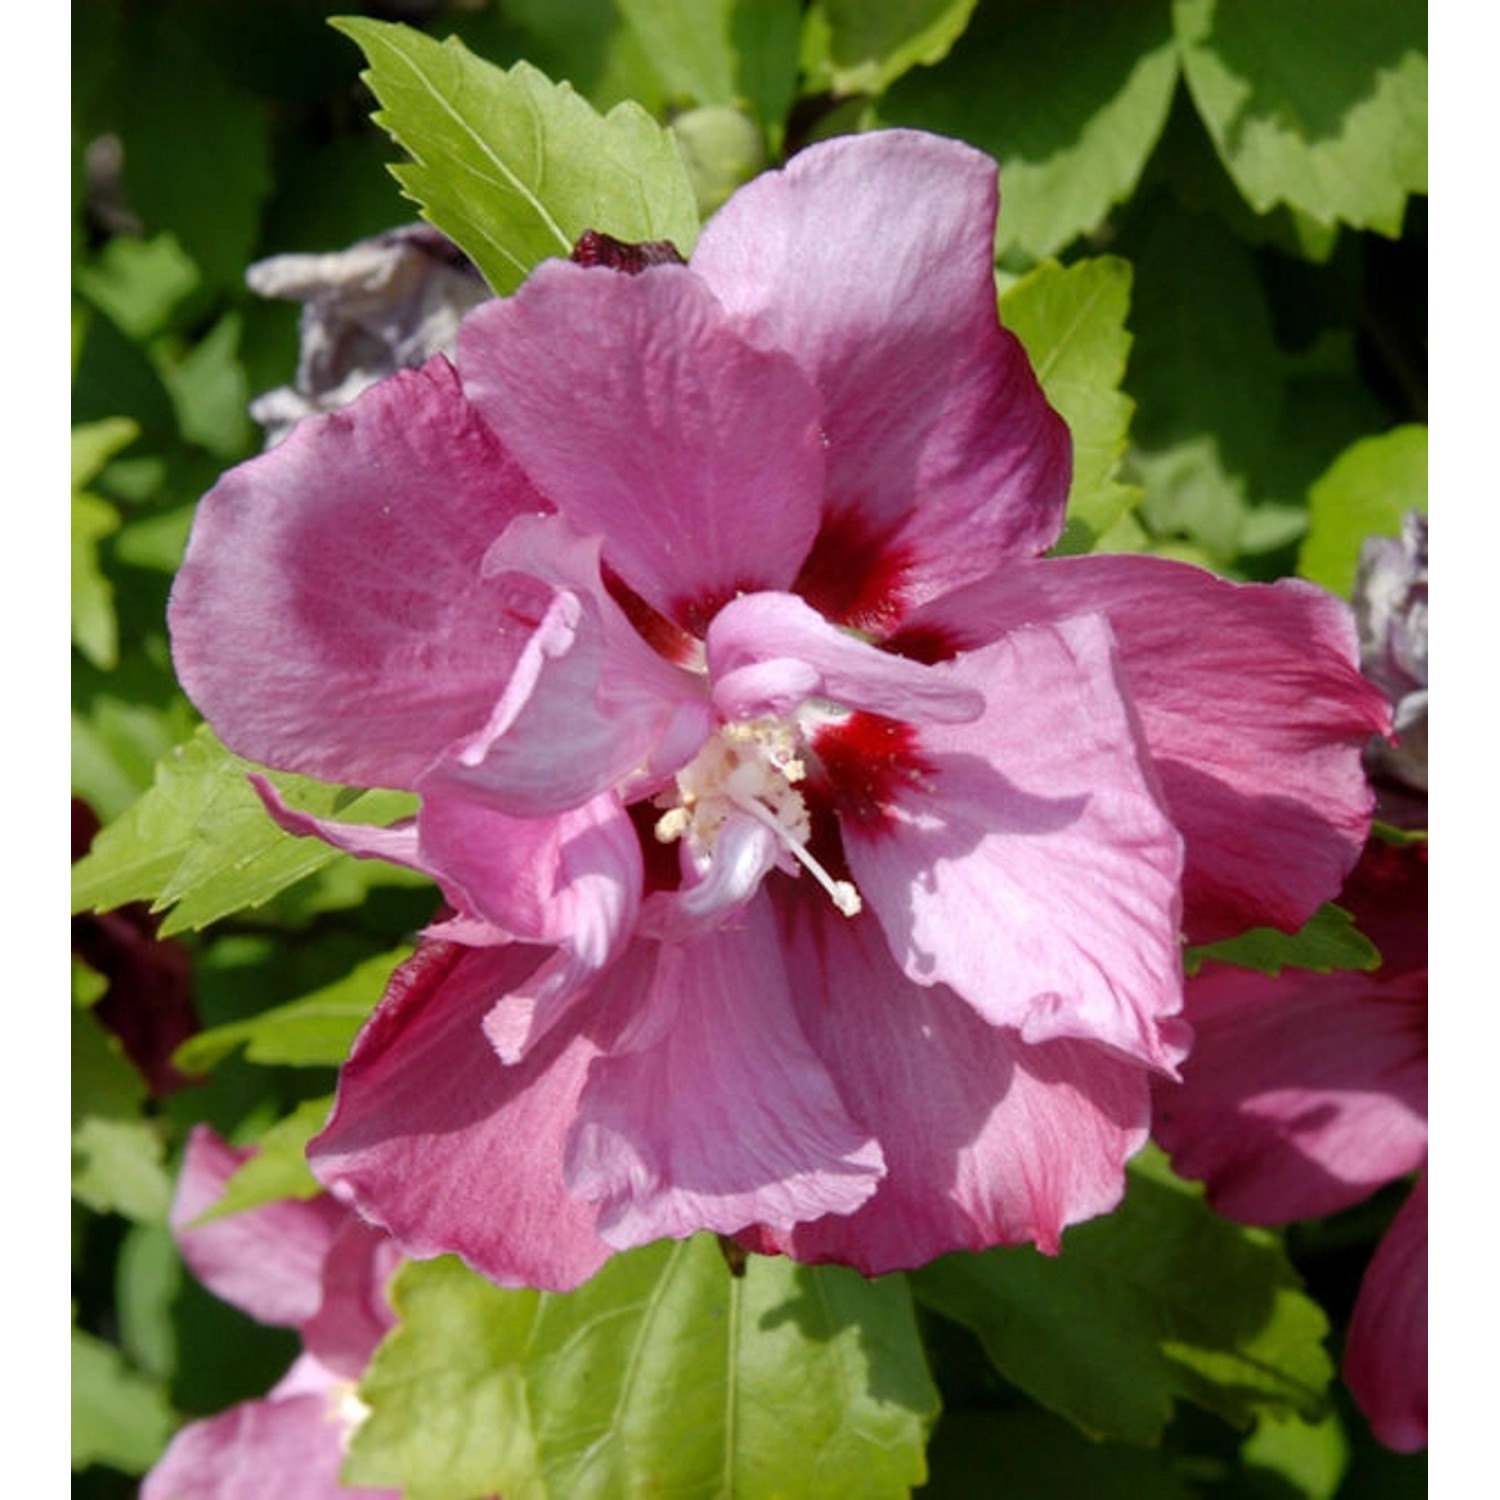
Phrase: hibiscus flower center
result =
(749, 767)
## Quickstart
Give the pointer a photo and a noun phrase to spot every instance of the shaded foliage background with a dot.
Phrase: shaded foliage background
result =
(1213, 240)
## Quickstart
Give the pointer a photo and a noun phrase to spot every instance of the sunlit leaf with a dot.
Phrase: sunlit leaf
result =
(1365, 492)
(871, 43)
(1072, 322)
(666, 1374)
(200, 841)
(513, 167)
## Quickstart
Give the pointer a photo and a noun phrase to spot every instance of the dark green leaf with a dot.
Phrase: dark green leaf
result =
(871, 43)
(664, 1375)
(1159, 1302)
(513, 167)
(1069, 99)
(1329, 941)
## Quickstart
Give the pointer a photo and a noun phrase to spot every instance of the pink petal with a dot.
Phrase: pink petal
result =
(396, 844)
(354, 1315)
(331, 617)
(987, 1141)
(871, 259)
(267, 1261)
(1385, 1358)
(291, 1449)
(715, 1114)
(1030, 866)
(1253, 709)
(1303, 1093)
(585, 681)
(437, 1140)
(768, 653)
(575, 878)
(647, 421)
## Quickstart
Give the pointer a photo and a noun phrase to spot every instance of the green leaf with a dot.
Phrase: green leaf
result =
(1309, 1457)
(1207, 377)
(513, 167)
(316, 1030)
(201, 842)
(1366, 492)
(1072, 322)
(665, 1374)
(1159, 1302)
(1329, 118)
(1070, 99)
(120, 1417)
(690, 45)
(95, 443)
(871, 43)
(1327, 942)
(119, 1157)
(95, 632)
(279, 1167)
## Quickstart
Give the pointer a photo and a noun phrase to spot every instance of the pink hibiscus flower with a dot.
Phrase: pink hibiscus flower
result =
(1304, 1094)
(819, 856)
(312, 1266)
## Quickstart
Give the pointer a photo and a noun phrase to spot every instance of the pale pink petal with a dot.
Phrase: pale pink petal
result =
(589, 706)
(768, 653)
(714, 1114)
(1027, 862)
(987, 1141)
(267, 1261)
(289, 1449)
(1385, 1358)
(1302, 1094)
(449, 1149)
(331, 616)
(1253, 709)
(871, 259)
(647, 421)
(745, 851)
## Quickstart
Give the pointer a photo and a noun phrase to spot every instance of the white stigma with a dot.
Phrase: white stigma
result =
(750, 767)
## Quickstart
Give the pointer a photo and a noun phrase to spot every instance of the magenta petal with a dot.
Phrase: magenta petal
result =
(267, 1261)
(1303, 1094)
(331, 617)
(871, 259)
(436, 1139)
(291, 1448)
(987, 1141)
(574, 878)
(1385, 1358)
(396, 844)
(716, 1114)
(768, 653)
(647, 421)
(1254, 712)
(354, 1315)
(1031, 866)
